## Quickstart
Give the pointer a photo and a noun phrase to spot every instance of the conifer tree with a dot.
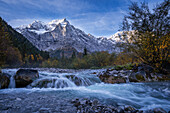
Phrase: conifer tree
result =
(85, 52)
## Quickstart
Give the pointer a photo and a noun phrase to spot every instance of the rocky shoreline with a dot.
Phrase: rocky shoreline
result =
(142, 73)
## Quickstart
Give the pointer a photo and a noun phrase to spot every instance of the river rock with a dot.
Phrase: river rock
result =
(97, 107)
(24, 77)
(156, 110)
(140, 73)
(138, 77)
(112, 78)
(4, 80)
(95, 102)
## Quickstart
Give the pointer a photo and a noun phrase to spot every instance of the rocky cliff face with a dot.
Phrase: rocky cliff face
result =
(66, 52)
(60, 33)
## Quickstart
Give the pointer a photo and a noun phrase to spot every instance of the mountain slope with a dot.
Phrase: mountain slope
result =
(19, 41)
(60, 33)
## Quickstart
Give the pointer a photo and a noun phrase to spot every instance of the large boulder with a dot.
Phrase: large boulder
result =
(139, 76)
(112, 79)
(112, 76)
(24, 77)
(4, 80)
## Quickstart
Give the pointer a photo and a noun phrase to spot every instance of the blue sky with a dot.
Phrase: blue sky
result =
(97, 17)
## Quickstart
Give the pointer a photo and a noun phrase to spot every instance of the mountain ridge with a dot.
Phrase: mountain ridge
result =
(59, 33)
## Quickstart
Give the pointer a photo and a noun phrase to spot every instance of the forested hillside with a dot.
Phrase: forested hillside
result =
(15, 49)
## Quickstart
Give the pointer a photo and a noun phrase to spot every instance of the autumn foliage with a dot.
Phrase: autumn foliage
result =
(150, 39)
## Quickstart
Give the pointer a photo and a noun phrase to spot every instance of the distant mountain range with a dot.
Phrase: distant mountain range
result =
(59, 34)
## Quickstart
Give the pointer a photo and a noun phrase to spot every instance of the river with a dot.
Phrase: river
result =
(86, 84)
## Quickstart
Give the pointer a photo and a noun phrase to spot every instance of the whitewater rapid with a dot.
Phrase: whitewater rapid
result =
(86, 84)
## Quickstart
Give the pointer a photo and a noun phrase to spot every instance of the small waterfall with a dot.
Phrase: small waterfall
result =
(11, 72)
(127, 79)
(69, 83)
(62, 82)
(53, 82)
(82, 81)
(56, 80)
(12, 82)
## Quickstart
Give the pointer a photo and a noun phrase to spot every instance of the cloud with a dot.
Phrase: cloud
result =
(99, 24)
(18, 22)
(98, 17)
(55, 6)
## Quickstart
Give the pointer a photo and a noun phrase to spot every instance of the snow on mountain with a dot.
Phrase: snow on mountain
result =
(60, 33)
(63, 22)
(121, 37)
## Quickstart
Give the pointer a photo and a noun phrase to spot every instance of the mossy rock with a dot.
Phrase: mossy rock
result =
(119, 67)
(118, 80)
(111, 69)
(113, 79)
(139, 77)
(104, 77)
(132, 78)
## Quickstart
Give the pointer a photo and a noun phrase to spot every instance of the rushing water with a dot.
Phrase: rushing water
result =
(84, 84)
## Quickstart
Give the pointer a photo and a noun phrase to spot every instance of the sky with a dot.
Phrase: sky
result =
(97, 17)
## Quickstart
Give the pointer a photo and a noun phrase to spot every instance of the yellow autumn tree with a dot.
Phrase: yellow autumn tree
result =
(151, 36)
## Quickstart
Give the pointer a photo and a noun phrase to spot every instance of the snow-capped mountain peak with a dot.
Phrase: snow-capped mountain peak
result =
(60, 33)
(36, 25)
(63, 22)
